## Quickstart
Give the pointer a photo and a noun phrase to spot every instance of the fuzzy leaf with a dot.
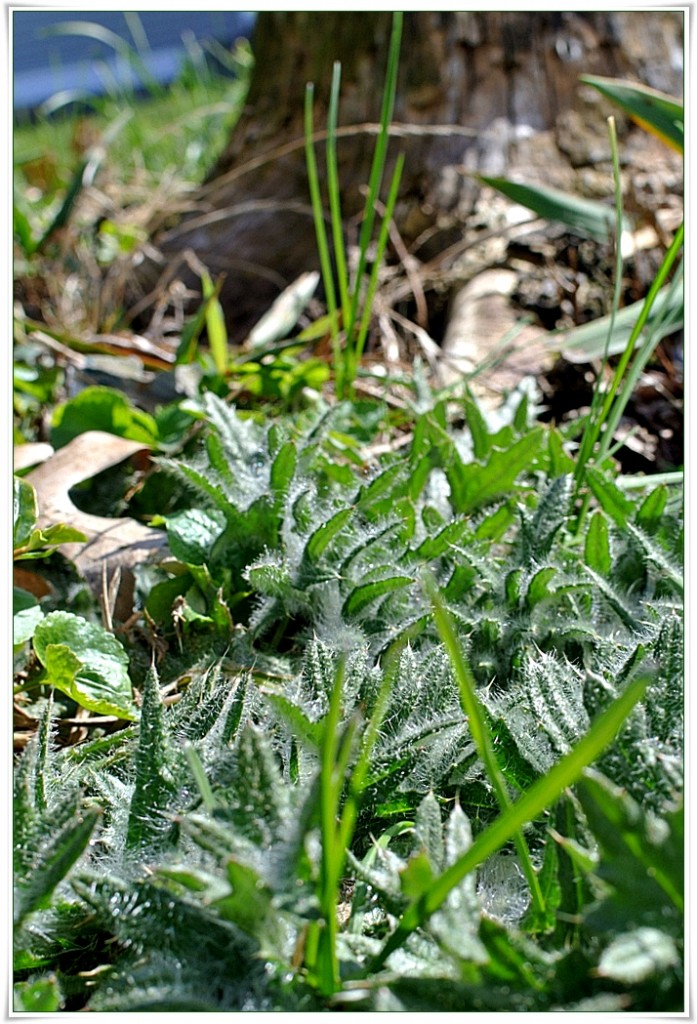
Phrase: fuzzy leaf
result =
(191, 534)
(538, 588)
(53, 863)
(610, 497)
(362, 596)
(321, 538)
(481, 438)
(473, 485)
(635, 956)
(153, 788)
(597, 545)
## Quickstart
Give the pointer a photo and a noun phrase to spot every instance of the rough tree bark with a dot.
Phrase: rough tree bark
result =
(506, 83)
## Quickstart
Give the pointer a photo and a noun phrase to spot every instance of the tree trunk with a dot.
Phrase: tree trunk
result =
(505, 86)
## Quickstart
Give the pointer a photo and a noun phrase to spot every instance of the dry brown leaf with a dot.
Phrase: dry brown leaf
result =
(111, 544)
(30, 454)
(481, 320)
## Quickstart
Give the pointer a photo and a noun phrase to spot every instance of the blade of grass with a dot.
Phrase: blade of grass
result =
(590, 434)
(215, 323)
(334, 194)
(479, 730)
(378, 165)
(321, 235)
(357, 350)
(539, 798)
(636, 369)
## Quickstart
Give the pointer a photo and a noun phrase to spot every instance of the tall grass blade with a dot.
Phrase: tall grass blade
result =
(357, 350)
(215, 324)
(539, 797)
(479, 731)
(321, 235)
(379, 159)
(334, 191)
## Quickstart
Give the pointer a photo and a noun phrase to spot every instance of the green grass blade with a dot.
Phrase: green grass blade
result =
(215, 323)
(539, 797)
(357, 351)
(335, 193)
(379, 159)
(479, 731)
(658, 113)
(321, 235)
(591, 433)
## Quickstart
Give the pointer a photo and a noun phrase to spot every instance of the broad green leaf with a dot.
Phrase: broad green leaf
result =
(321, 538)
(651, 509)
(25, 511)
(593, 218)
(609, 497)
(43, 542)
(192, 534)
(27, 613)
(538, 588)
(474, 486)
(362, 596)
(597, 545)
(101, 408)
(39, 996)
(653, 110)
(86, 662)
